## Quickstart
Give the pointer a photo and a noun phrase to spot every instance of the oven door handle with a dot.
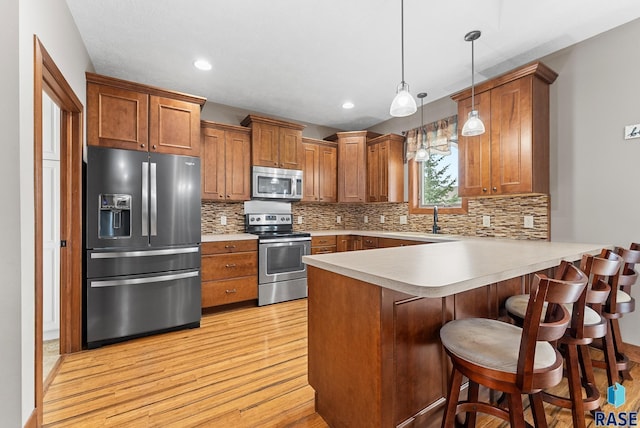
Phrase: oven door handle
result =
(278, 240)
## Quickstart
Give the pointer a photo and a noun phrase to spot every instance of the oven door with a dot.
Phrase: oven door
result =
(281, 259)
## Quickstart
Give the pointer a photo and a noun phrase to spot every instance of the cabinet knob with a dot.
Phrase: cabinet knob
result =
(484, 189)
(142, 145)
(231, 291)
(154, 147)
(275, 164)
(220, 196)
(495, 189)
(228, 196)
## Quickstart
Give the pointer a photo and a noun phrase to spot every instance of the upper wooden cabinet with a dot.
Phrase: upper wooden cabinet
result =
(275, 143)
(226, 166)
(320, 169)
(385, 169)
(352, 164)
(127, 115)
(512, 156)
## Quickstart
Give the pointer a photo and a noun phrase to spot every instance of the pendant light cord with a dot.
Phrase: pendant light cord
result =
(473, 104)
(402, 37)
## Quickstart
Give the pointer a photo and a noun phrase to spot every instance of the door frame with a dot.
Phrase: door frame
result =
(47, 77)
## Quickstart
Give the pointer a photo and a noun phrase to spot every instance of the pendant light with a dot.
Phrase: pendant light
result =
(403, 104)
(473, 126)
(421, 154)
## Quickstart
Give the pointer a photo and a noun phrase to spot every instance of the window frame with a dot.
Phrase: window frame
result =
(414, 197)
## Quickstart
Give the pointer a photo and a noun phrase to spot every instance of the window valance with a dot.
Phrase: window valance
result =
(436, 136)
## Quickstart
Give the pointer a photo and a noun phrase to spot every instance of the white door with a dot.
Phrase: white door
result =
(50, 218)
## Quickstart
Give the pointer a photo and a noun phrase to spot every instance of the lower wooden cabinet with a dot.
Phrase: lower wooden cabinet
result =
(349, 243)
(323, 244)
(229, 272)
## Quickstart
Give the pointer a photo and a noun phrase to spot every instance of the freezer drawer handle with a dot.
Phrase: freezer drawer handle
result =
(146, 280)
(148, 253)
(145, 199)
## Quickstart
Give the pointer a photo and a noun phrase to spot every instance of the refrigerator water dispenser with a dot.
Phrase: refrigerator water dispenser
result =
(114, 220)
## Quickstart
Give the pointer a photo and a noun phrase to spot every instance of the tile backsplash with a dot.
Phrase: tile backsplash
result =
(506, 217)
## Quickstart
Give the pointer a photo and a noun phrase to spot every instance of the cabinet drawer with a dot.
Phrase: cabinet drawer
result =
(323, 250)
(321, 241)
(369, 242)
(216, 293)
(221, 247)
(393, 242)
(227, 266)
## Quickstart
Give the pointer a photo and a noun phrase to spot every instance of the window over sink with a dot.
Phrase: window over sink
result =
(434, 182)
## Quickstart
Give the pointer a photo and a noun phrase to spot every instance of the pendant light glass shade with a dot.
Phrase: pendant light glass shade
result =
(403, 104)
(422, 154)
(473, 126)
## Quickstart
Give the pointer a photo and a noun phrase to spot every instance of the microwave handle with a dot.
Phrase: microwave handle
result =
(297, 182)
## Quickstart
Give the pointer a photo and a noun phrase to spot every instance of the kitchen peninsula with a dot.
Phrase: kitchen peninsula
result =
(375, 357)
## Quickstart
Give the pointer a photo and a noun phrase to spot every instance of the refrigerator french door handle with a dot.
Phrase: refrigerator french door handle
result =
(154, 201)
(146, 280)
(145, 199)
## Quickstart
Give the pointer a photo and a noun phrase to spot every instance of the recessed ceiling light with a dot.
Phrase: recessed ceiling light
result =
(202, 64)
(348, 105)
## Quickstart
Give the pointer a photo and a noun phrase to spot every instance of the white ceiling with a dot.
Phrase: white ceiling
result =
(302, 59)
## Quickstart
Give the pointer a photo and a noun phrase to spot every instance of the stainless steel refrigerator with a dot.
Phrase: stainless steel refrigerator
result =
(142, 244)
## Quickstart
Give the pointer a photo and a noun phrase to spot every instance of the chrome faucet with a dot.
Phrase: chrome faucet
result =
(435, 228)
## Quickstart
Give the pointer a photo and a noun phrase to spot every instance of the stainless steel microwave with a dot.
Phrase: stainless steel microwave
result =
(276, 183)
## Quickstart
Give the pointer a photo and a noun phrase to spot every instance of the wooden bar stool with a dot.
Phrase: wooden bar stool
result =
(586, 325)
(507, 358)
(620, 302)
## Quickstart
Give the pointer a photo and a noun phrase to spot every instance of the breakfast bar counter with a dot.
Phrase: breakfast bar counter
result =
(375, 358)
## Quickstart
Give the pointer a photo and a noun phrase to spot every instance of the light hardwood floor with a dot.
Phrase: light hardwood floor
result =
(243, 368)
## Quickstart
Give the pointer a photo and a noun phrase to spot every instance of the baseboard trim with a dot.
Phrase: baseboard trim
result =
(632, 352)
(32, 422)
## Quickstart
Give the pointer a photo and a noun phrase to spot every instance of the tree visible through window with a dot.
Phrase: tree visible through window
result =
(439, 183)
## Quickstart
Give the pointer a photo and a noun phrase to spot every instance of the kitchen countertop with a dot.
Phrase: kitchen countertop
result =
(416, 236)
(447, 268)
(228, 237)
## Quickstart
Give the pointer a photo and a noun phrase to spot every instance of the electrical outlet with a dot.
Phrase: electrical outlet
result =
(299, 219)
(486, 221)
(223, 220)
(381, 219)
(366, 219)
(403, 219)
(338, 219)
(528, 222)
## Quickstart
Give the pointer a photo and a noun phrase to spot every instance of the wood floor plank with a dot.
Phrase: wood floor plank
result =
(242, 368)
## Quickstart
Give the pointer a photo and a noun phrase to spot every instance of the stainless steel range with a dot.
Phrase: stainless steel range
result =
(282, 275)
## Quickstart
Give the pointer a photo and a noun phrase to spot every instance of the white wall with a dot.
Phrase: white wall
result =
(10, 287)
(595, 173)
(51, 21)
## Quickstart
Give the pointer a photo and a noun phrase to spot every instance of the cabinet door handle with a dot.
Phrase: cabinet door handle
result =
(220, 196)
(154, 147)
(495, 189)
(229, 247)
(231, 291)
(230, 265)
(142, 145)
